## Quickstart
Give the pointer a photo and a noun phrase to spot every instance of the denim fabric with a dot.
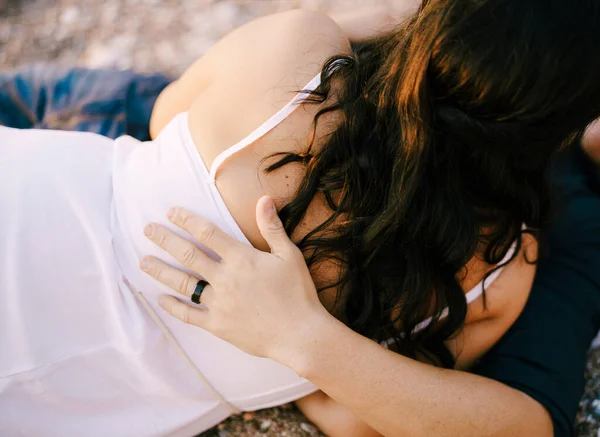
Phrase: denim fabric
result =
(105, 101)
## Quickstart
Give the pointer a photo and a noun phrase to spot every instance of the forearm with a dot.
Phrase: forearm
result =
(283, 319)
(398, 396)
(333, 418)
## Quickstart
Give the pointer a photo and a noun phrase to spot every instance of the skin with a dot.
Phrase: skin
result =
(305, 40)
(591, 142)
(266, 304)
(360, 24)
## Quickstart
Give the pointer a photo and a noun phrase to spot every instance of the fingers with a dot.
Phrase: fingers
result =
(205, 232)
(185, 313)
(188, 254)
(270, 226)
(173, 278)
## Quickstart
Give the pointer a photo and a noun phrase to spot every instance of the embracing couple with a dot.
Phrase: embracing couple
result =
(424, 180)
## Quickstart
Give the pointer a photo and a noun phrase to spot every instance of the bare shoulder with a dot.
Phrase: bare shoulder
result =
(505, 299)
(262, 61)
(297, 42)
(261, 67)
(239, 84)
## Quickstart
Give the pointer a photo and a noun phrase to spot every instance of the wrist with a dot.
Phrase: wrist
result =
(295, 345)
(314, 346)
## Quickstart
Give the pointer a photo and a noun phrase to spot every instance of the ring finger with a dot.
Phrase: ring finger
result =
(173, 278)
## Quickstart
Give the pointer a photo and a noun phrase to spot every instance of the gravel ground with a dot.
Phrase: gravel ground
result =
(167, 36)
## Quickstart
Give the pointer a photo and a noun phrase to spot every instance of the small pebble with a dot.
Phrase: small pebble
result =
(69, 15)
(308, 428)
(248, 416)
(596, 406)
(265, 424)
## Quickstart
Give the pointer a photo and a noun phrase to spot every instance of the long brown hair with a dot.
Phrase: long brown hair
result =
(449, 126)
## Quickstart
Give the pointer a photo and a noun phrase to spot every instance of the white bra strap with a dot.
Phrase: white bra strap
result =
(183, 354)
(265, 127)
(476, 291)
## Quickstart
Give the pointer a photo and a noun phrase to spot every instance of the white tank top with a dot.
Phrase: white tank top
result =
(79, 321)
(151, 177)
(148, 179)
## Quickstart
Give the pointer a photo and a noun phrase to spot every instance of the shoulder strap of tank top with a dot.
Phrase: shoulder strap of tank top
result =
(266, 127)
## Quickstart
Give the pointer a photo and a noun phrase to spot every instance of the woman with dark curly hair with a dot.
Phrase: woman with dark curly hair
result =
(412, 176)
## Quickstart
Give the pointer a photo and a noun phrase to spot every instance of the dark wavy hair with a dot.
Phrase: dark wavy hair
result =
(448, 128)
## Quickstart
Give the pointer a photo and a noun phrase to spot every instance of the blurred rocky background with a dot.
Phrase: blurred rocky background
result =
(147, 35)
(167, 36)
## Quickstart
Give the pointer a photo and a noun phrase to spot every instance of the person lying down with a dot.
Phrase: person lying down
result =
(412, 176)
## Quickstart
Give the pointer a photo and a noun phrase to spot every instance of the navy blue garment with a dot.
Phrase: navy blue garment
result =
(544, 353)
(108, 102)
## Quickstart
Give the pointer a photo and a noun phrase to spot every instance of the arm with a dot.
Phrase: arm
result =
(543, 355)
(401, 397)
(505, 299)
(357, 25)
(282, 318)
(333, 418)
(273, 68)
(366, 23)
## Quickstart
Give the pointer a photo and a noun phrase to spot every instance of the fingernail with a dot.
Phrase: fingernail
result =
(162, 300)
(271, 207)
(148, 230)
(171, 213)
(144, 264)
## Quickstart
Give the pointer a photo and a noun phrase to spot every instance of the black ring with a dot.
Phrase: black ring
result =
(198, 291)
